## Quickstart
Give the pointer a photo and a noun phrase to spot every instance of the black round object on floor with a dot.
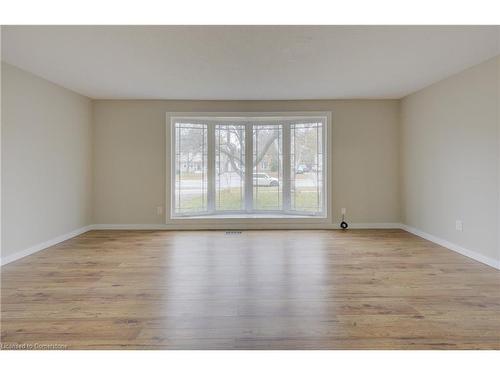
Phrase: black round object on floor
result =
(343, 225)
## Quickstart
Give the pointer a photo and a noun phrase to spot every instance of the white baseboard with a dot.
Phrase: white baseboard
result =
(129, 227)
(371, 226)
(454, 247)
(235, 225)
(33, 249)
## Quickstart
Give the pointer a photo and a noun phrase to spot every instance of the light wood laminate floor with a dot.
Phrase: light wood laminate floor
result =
(360, 289)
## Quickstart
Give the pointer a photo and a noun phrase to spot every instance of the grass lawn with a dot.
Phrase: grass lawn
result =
(190, 176)
(267, 199)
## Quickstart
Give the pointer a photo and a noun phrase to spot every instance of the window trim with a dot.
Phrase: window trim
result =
(248, 119)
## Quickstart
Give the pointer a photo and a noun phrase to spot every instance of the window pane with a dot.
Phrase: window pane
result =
(267, 167)
(190, 168)
(229, 167)
(306, 154)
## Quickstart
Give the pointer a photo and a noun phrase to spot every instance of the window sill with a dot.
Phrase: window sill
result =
(249, 216)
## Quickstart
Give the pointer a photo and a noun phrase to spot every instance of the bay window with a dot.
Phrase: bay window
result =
(248, 165)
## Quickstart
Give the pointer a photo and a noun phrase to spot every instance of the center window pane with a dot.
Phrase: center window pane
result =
(267, 167)
(229, 167)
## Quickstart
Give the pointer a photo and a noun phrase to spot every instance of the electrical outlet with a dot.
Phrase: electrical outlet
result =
(343, 211)
(459, 225)
(159, 210)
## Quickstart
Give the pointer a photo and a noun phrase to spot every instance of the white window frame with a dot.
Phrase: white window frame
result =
(249, 119)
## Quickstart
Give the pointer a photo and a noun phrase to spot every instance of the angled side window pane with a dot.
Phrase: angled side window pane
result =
(306, 165)
(190, 168)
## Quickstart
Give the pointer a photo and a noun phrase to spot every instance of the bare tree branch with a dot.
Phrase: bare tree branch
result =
(267, 144)
(232, 151)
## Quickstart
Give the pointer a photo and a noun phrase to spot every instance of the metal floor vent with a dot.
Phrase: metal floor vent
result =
(233, 233)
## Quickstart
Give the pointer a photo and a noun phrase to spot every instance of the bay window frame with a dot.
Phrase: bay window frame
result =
(285, 119)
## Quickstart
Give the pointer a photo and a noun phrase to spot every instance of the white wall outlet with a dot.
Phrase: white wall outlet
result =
(159, 210)
(459, 226)
(343, 211)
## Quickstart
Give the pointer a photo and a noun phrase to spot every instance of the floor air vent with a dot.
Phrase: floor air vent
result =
(233, 233)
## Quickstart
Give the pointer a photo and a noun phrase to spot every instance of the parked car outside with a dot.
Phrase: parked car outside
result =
(263, 179)
(302, 169)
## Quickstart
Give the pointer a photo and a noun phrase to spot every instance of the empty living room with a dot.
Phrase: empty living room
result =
(250, 187)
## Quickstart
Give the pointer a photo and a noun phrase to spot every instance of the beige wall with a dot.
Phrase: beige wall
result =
(46, 160)
(130, 158)
(498, 154)
(450, 159)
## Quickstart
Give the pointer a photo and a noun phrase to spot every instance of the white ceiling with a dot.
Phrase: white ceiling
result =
(247, 62)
